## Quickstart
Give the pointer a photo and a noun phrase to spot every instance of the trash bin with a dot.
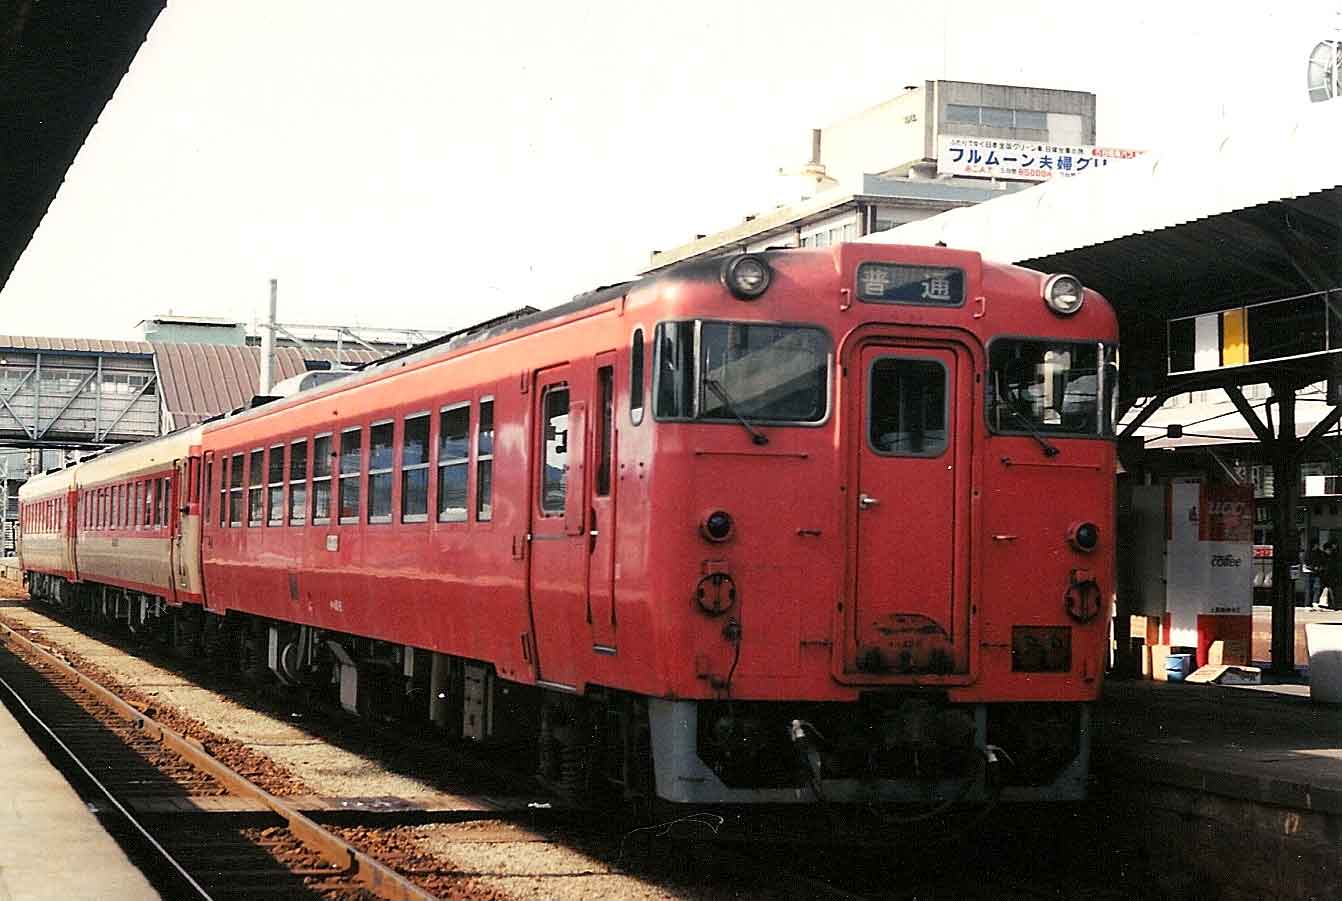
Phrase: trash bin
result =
(1324, 642)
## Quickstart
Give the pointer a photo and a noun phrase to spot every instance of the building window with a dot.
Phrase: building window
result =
(351, 464)
(380, 462)
(995, 117)
(484, 463)
(256, 480)
(275, 501)
(962, 115)
(415, 469)
(454, 428)
(298, 482)
(321, 479)
(235, 492)
(554, 467)
(1031, 119)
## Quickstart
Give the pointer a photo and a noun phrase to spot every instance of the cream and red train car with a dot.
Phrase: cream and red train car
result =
(126, 528)
(46, 545)
(783, 528)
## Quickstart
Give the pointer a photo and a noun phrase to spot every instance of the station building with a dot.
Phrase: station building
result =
(937, 146)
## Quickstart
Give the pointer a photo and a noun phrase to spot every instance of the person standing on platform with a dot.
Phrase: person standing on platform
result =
(1315, 565)
(1332, 576)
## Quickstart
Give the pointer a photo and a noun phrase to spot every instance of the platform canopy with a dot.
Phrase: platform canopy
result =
(60, 62)
(1223, 219)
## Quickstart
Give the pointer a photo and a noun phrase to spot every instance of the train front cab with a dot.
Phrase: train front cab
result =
(972, 473)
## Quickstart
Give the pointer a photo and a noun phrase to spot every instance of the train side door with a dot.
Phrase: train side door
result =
(559, 523)
(177, 493)
(911, 610)
(601, 509)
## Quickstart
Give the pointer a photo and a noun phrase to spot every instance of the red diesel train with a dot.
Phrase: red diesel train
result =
(783, 528)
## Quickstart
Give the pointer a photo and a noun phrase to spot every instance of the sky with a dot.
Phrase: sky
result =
(432, 164)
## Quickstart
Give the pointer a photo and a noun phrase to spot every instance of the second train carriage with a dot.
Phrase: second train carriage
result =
(780, 528)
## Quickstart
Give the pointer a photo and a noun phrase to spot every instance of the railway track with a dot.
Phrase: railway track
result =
(170, 798)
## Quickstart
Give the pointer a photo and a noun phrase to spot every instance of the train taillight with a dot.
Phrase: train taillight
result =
(1063, 294)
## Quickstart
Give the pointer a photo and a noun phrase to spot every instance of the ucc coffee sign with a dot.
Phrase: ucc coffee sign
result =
(1226, 513)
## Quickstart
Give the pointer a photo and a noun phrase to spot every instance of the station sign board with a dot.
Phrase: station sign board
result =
(1022, 160)
(1267, 332)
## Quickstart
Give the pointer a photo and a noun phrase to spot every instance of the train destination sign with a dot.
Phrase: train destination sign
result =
(896, 283)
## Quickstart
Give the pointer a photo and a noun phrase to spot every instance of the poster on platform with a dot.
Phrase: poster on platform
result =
(1209, 565)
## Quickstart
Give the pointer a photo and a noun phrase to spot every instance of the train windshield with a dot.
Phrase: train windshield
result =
(1052, 387)
(733, 371)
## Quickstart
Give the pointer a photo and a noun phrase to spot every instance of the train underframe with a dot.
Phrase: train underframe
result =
(905, 750)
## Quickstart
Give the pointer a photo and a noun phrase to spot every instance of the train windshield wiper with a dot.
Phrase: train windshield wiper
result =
(716, 387)
(1050, 450)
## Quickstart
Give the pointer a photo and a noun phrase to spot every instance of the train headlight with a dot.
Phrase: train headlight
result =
(747, 276)
(1063, 294)
(717, 526)
(1084, 536)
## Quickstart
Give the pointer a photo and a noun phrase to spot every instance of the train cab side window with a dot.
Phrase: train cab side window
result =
(351, 466)
(906, 407)
(275, 489)
(380, 459)
(605, 380)
(636, 378)
(554, 468)
(256, 481)
(298, 482)
(484, 462)
(454, 452)
(322, 455)
(235, 492)
(415, 469)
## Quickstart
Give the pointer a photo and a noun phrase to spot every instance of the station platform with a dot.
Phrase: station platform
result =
(52, 847)
(1230, 792)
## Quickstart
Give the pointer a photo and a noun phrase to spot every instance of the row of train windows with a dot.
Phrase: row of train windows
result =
(342, 475)
(142, 504)
(44, 516)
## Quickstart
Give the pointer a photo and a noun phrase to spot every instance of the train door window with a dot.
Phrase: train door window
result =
(164, 495)
(554, 467)
(454, 451)
(351, 465)
(381, 458)
(321, 479)
(415, 469)
(298, 482)
(235, 492)
(206, 490)
(636, 378)
(223, 491)
(605, 381)
(906, 407)
(484, 462)
(275, 488)
(256, 480)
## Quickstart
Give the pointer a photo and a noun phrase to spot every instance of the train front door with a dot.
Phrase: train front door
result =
(910, 614)
(560, 518)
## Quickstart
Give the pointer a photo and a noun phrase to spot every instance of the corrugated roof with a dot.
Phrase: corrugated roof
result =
(73, 345)
(203, 380)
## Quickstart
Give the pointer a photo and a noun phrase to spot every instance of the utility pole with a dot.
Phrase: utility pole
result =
(268, 343)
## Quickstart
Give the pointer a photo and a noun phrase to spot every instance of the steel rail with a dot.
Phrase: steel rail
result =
(359, 867)
(106, 792)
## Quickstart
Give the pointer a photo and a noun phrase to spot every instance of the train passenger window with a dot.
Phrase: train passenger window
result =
(256, 480)
(298, 482)
(906, 407)
(380, 461)
(322, 456)
(605, 380)
(554, 471)
(636, 377)
(351, 463)
(235, 492)
(454, 451)
(484, 462)
(275, 488)
(415, 469)
(151, 507)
